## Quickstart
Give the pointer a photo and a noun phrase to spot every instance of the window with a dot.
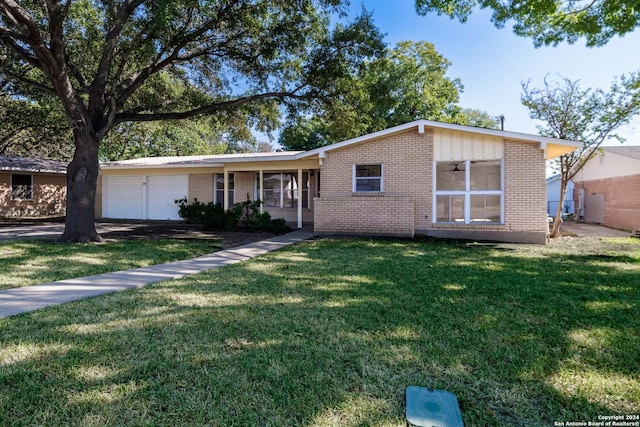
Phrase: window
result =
(469, 191)
(218, 190)
(368, 178)
(280, 189)
(21, 187)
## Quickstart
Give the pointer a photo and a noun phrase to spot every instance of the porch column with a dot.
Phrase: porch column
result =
(261, 191)
(300, 198)
(226, 190)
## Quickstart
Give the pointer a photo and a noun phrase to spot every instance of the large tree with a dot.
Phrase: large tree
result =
(549, 22)
(115, 61)
(408, 83)
(589, 116)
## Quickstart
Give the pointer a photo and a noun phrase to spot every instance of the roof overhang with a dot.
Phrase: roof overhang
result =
(552, 147)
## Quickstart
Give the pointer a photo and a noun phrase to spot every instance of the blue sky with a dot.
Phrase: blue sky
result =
(492, 63)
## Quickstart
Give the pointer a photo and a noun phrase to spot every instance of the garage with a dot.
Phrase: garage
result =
(163, 191)
(143, 197)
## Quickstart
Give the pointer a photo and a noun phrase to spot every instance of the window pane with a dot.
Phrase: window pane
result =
(271, 186)
(485, 208)
(450, 208)
(368, 171)
(450, 176)
(290, 187)
(21, 187)
(368, 184)
(219, 188)
(485, 175)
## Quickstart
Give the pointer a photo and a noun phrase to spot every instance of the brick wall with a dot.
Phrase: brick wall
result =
(201, 187)
(49, 197)
(621, 200)
(406, 202)
(408, 184)
(525, 192)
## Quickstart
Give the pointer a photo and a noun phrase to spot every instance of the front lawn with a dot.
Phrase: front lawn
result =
(330, 332)
(30, 262)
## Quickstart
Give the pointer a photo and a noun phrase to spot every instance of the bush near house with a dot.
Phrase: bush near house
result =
(245, 215)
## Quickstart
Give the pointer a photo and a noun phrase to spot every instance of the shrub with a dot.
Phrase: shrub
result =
(245, 215)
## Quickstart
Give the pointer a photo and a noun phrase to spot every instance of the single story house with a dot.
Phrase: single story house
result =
(424, 177)
(607, 188)
(32, 187)
(553, 196)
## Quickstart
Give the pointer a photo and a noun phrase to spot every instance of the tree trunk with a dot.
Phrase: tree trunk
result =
(555, 230)
(82, 180)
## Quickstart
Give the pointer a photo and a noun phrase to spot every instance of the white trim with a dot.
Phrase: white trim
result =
(543, 140)
(354, 179)
(467, 193)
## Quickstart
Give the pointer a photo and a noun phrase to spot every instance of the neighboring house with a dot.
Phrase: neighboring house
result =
(423, 177)
(31, 187)
(607, 188)
(553, 196)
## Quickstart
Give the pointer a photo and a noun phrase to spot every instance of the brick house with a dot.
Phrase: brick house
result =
(607, 188)
(32, 187)
(422, 177)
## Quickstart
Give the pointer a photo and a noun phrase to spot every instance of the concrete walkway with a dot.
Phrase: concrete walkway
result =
(30, 298)
(581, 229)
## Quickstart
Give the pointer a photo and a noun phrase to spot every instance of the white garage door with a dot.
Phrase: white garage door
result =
(122, 197)
(162, 193)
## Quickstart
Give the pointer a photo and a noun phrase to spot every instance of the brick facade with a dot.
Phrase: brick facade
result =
(49, 196)
(621, 200)
(406, 204)
(405, 207)
(201, 187)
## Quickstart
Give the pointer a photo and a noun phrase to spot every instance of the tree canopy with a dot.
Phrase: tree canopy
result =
(26, 123)
(549, 22)
(407, 83)
(591, 116)
(109, 62)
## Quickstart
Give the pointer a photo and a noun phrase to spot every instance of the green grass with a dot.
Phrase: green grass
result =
(329, 333)
(30, 262)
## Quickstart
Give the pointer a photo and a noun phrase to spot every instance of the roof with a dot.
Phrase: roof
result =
(34, 165)
(628, 151)
(552, 147)
(205, 160)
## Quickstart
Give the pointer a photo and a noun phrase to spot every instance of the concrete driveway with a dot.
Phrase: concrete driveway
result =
(52, 230)
(581, 229)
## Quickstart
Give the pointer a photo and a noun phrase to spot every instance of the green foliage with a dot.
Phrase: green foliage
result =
(27, 123)
(245, 215)
(550, 22)
(590, 116)
(408, 83)
(476, 118)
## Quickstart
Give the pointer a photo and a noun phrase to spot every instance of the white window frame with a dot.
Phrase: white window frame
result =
(354, 183)
(216, 189)
(467, 193)
(31, 189)
(306, 193)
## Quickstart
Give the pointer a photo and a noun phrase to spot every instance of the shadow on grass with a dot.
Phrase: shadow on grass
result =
(31, 262)
(330, 333)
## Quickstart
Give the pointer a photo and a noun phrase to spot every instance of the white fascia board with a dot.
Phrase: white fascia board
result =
(160, 166)
(422, 124)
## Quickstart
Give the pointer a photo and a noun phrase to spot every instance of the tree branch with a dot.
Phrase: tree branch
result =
(128, 116)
